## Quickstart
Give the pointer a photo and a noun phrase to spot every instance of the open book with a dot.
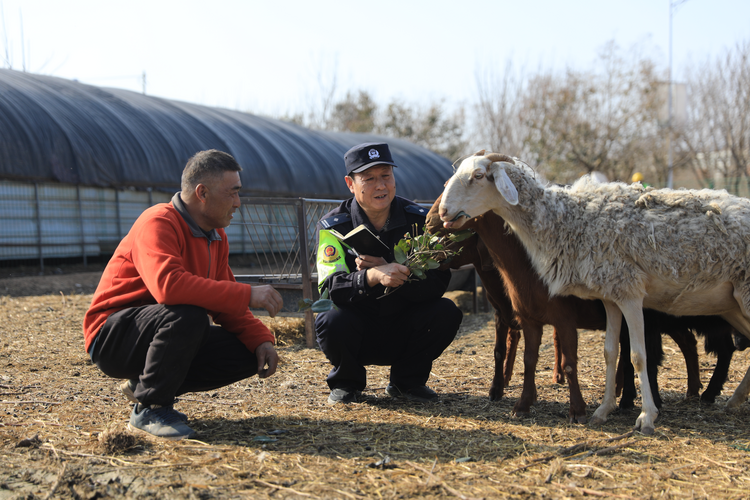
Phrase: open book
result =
(363, 241)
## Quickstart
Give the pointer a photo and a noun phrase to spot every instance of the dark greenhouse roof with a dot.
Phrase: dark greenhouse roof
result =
(59, 130)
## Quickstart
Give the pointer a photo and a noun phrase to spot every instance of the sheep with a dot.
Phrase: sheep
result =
(507, 333)
(680, 252)
(534, 308)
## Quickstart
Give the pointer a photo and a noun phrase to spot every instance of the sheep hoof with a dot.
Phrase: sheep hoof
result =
(518, 415)
(496, 394)
(708, 399)
(597, 420)
(733, 403)
(580, 419)
(646, 430)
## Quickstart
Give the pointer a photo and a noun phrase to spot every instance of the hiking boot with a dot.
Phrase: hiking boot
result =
(128, 389)
(343, 395)
(159, 421)
(421, 393)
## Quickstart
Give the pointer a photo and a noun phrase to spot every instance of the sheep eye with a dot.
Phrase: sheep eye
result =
(478, 175)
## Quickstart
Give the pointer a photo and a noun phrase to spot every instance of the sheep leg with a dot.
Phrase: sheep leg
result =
(739, 320)
(740, 394)
(501, 335)
(558, 374)
(510, 354)
(567, 336)
(633, 312)
(625, 375)
(723, 346)
(685, 340)
(611, 346)
(532, 336)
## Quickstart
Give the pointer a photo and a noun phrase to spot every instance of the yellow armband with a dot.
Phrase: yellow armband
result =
(331, 256)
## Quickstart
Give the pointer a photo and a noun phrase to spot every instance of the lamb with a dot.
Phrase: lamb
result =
(534, 309)
(680, 252)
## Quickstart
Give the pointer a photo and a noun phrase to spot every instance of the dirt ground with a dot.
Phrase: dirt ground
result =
(63, 425)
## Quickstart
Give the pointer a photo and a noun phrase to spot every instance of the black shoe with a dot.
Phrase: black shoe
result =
(421, 393)
(343, 395)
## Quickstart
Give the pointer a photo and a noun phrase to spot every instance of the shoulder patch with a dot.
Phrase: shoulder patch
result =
(335, 220)
(416, 209)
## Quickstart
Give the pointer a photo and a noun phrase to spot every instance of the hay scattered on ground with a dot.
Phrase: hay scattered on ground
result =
(278, 438)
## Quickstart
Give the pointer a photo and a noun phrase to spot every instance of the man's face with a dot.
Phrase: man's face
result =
(374, 189)
(221, 197)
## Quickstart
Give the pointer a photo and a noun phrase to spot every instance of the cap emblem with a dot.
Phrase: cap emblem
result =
(373, 153)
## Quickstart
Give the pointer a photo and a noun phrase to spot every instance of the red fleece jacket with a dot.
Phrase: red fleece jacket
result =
(160, 261)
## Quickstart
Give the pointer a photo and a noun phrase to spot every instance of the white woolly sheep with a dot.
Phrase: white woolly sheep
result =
(682, 252)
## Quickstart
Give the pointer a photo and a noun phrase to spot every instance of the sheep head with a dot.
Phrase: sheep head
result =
(474, 187)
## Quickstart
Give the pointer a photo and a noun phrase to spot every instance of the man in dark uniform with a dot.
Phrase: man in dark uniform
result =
(406, 329)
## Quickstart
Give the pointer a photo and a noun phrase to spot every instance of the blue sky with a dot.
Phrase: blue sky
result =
(269, 57)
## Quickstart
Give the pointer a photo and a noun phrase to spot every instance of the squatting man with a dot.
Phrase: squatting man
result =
(407, 329)
(149, 319)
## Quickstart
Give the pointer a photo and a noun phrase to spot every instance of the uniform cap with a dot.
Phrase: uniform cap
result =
(363, 156)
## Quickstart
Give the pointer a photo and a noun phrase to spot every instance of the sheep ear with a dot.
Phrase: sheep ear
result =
(504, 184)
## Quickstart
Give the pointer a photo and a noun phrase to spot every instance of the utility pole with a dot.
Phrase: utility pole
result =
(143, 82)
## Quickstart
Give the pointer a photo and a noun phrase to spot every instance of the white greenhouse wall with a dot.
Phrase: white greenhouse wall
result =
(41, 221)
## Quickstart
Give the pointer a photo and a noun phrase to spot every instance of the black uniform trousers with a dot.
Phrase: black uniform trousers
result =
(170, 350)
(408, 342)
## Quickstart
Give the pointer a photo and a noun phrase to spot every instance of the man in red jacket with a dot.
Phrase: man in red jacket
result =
(149, 318)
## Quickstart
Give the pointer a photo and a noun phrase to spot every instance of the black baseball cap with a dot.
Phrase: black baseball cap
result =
(363, 156)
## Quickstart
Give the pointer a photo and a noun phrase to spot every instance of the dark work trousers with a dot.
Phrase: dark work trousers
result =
(408, 342)
(170, 350)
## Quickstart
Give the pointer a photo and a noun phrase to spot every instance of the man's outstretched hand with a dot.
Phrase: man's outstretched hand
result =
(266, 355)
(266, 297)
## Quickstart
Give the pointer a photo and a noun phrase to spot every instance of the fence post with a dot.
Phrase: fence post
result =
(117, 211)
(38, 227)
(83, 229)
(305, 271)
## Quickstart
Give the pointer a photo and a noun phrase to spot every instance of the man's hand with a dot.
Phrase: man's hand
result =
(266, 297)
(389, 275)
(368, 261)
(266, 355)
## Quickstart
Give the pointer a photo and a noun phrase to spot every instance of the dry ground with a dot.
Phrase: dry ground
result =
(62, 426)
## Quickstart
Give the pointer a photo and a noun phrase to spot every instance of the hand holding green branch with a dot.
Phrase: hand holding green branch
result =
(419, 253)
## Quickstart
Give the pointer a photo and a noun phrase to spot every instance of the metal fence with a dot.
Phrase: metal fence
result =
(283, 242)
(44, 221)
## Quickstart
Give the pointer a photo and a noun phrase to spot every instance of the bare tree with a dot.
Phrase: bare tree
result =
(717, 138)
(7, 58)
(355, 113)
(431, 127)
(319, 99)
(581, 122)
(498, 120)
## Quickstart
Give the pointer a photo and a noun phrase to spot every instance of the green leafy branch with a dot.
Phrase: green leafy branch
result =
(418, 252)
(321, 305)
(423, 252)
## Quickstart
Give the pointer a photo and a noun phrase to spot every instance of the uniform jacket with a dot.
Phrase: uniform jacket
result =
(167, 259)
(350, 289)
